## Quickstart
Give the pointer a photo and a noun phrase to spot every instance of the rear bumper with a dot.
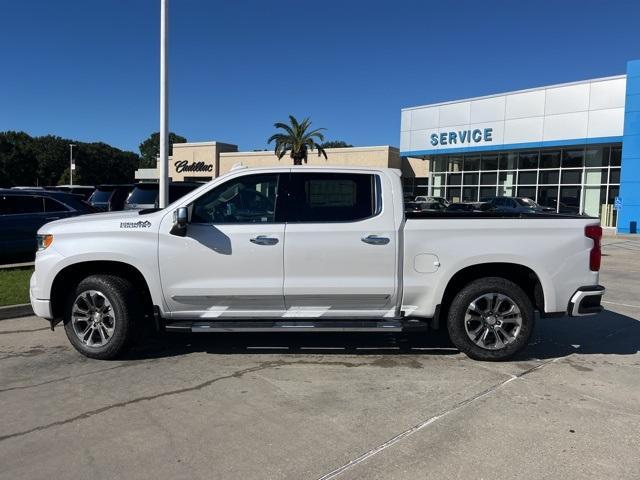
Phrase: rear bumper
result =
(586, 301)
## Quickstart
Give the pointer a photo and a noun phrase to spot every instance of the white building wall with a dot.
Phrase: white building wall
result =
(573, 113)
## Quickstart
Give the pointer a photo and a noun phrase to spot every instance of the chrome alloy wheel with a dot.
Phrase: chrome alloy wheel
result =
(93, 319)
(493, 321)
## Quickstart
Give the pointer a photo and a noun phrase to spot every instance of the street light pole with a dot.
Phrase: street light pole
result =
(164, 106)
(71, 145)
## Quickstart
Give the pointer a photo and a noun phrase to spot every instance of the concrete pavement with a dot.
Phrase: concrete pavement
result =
(331, 406)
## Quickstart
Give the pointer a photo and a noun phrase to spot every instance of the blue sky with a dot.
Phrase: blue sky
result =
(88, 69)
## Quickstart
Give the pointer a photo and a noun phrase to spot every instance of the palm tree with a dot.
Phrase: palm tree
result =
(297, 139)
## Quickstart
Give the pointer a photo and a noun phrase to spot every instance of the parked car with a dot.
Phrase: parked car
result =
(515, 204)
(145, 195)
(462, 207)
(312, 249)
(441, 201)
(23, 212)
(414, 206)
(109, 198)
(84, 190)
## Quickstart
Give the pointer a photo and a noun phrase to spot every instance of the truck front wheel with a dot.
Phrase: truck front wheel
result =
(491, 319)
(102, 316)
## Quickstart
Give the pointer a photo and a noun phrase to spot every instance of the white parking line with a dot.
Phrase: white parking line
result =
(340, 470)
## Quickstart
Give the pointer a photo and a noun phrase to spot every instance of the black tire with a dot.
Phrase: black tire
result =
(126, 314)
(458, 325)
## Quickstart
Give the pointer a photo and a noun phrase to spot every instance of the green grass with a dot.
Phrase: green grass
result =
(14, 286)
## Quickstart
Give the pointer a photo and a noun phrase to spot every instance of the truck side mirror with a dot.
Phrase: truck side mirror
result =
(180, 220)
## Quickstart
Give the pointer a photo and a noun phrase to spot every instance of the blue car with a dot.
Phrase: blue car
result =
(23, 212)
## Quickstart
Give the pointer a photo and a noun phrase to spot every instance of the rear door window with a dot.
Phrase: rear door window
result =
(331, 197)
(51, 205)
(20, 204)
(101, 196)
(144, 195)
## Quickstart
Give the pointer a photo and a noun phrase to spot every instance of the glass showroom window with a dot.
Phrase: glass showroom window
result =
(574, 179)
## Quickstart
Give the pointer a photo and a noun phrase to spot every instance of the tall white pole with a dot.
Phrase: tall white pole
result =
(164, 106)
(71, 145)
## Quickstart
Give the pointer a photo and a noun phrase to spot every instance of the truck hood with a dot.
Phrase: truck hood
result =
(101, 222)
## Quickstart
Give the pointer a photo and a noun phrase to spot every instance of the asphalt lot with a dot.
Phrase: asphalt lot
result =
(332, 406)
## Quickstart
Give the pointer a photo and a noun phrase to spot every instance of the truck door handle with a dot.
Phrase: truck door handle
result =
(375, 240)
(263, 240)
(52, 218)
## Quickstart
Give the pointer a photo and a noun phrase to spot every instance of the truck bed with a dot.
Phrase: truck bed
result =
(428, 214)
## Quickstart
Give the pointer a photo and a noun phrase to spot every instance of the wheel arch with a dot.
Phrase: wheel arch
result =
(69, 277)
(523, 276)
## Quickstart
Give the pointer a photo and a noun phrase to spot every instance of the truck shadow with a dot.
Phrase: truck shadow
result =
(609, 333)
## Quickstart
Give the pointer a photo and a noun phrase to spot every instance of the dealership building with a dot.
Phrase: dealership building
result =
(574, 147)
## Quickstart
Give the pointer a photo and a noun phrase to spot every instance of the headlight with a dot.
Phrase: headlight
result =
(44, 241)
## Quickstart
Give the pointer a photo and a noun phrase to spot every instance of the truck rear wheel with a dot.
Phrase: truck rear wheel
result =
(102, 316)
(491, 319)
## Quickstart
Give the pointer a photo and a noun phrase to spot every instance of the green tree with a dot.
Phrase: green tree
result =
(26, 160)
(336, 144)
(150, 148)
(18, 164)
(297, 139)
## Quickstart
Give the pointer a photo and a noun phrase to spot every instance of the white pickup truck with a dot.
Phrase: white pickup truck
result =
(313, 249)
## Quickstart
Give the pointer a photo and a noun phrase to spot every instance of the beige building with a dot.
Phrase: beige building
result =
(202, 161)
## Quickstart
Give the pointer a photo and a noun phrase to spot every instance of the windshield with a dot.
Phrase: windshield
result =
(526, 202)
(144, 195)
(101, 196)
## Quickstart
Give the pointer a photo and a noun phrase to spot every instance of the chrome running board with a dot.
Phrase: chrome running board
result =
(287, 326)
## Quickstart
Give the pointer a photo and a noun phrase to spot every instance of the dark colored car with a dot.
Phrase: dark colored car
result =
(462, 207)
(84, 190)
(145, 195)
(515, 204)
(109, 198)
(23, 212)
(414, 206)
(435, 203)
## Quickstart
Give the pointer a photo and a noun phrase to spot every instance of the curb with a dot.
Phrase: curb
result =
(11, 266)
(16, 311)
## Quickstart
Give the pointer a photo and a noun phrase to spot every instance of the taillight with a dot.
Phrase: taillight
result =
(594, 232)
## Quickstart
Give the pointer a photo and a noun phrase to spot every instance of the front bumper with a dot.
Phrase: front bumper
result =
(42, 308)
(586, 301)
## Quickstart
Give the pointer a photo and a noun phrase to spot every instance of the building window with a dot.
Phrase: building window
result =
(616, 156)
(486, 193)
(614, 176)
(489, 178)
(454, 164)
(550, 159)
(549, 177)
(571, 177)
(528, 192)
(573, 158)
(489, 162)
(527, 177)
(472, 163)
(470, 194)
(508, 160)
(528, 160)
(471, 178)
(454, 179)
(597, 157)
(548, 196)
(454, 194)
(571, 180)
(569, 200)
